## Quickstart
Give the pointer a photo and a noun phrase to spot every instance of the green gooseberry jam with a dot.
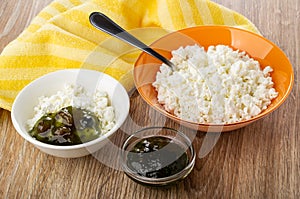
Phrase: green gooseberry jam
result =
(157, 157)
(69, 126)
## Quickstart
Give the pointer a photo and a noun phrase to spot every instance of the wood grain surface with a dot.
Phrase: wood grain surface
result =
(261, 160)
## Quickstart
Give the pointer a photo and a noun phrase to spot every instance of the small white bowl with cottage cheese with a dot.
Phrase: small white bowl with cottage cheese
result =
(70, 113)
(224, 78)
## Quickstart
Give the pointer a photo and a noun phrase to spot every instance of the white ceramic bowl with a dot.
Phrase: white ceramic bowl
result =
(27, 99)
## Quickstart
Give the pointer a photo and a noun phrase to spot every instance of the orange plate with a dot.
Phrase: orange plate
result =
(256, 46)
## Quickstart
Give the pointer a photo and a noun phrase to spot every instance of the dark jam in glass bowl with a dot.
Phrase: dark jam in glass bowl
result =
(157, 157)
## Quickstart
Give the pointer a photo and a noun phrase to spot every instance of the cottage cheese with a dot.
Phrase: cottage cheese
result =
(218, 86)
(76, 96)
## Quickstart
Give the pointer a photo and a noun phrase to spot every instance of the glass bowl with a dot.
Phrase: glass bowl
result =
(157, 156)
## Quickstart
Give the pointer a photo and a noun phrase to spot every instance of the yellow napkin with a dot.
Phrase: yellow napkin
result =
(61, 37)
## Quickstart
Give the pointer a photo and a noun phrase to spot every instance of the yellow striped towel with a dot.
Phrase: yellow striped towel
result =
(60, 37)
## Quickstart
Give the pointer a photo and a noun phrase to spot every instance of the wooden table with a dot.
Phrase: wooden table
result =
(261, 160)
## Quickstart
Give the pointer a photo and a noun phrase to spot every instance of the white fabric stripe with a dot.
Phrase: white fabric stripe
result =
(24, 74)
(164, 15)
(39, 21)
(204, 11)
(52, 11)
(74, 54)
(66, 3)
(188, 13)
(228, 16)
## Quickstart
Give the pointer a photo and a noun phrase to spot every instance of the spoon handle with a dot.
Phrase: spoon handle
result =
(102, 22)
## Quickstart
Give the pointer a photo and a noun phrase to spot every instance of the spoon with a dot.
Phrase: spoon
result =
(104, 23)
